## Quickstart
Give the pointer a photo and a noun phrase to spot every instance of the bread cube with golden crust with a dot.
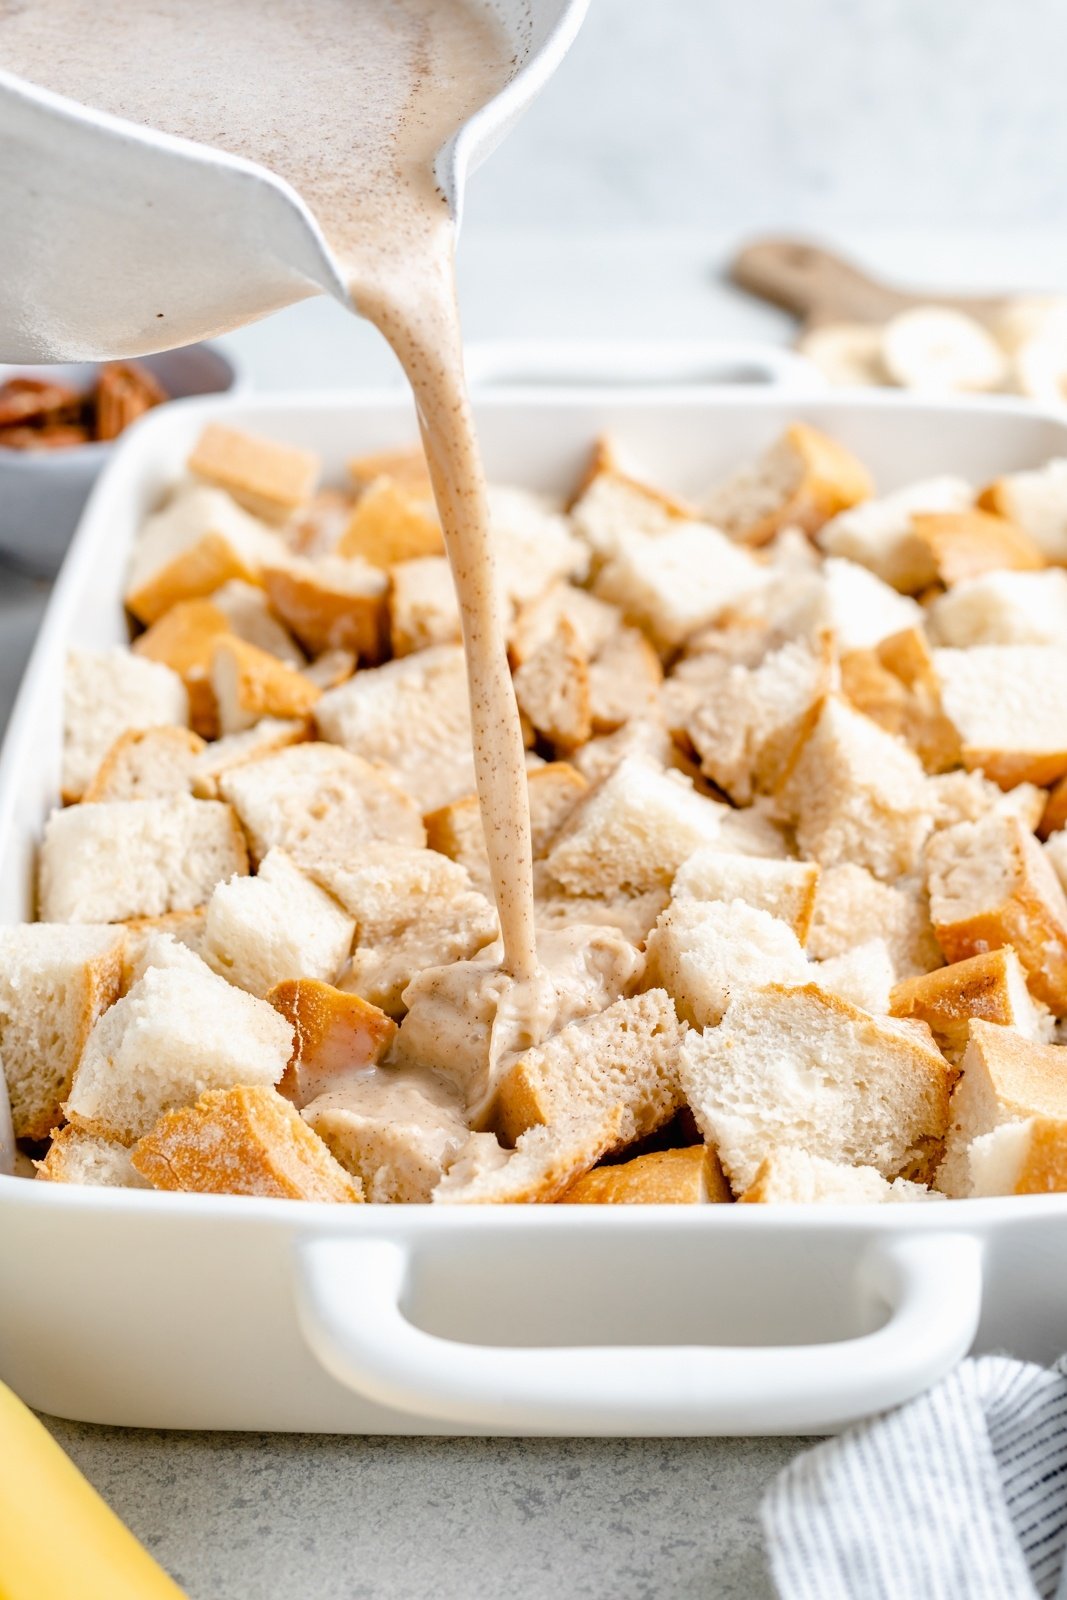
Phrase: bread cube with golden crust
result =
(800, 481)
(991, 986)
(691, 1176)
(245, 1140)
(270, 479)
(992, 885)
(335, 1035)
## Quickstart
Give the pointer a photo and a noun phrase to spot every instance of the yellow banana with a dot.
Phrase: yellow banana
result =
(58, 1540)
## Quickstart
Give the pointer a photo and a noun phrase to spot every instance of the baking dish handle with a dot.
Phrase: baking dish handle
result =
(687, 363)
(351, 1293)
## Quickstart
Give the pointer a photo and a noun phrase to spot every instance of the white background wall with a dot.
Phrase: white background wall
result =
(736, 114)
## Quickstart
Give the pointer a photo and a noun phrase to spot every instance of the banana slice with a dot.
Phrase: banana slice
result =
(941, 351)
(1029, 317)
(1040, 367)
(848, 353)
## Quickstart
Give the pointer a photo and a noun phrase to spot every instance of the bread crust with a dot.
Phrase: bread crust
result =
(243, 1140)
(691, 1176)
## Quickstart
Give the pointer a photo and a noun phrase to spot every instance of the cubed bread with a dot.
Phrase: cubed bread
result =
(317, 800)
(852, 907)
(171, 941)
(896, 686)
(991, 986)
(624, 679)
(633, 831)
(245, 1140)
(544, 1164)
(118, 859)
(184, 639)
(800, 481)
(625, 1058)
(878, 534)
(633, 915)
(412, 909)
(1003, 608)
(991, 885)
(1004, 1078)
(800, 1067)
(858, 608)
(645, 735)
(107, 693)
(147, 764)
(686, 1177)
(552, 689)
(249, 684)
(422, 605)
(749, 723)
(1037, 502)
(331, 604)
(279, 924)
(407, 466)
(247, 610)
(1008, 704)
(863, 975)
(611, 503)
(456, 829)
(857, 795)
(534, 545)
(785, 889)
(461, 1019)
(969, 796)
(681, 581)
(1020, 1158)
(398, 1131)
(85, 1158)
(793, 1177)
(199, 541)
(177, 1033)
(1054, 811)
(54, 983)
(964, 544)
(392, 522)
(268, 735)
(594, 622)
(270, 479)
(412, 715)
(703, 952)
(335, 1035)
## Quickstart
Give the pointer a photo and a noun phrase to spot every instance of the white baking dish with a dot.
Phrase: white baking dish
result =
(185, 1311)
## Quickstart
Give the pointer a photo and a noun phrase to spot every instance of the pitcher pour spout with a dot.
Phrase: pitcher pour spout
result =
(120, 241)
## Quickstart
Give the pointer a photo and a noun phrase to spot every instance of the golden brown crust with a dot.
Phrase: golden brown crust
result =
(1044, 1165)
(948, 999)
(184, 639)
(691, 1176)
(1054, 816)
(895, 685)
(263, 686)
(1030, 917)
(406, 467)
(196, 572)
(102, 987)
(829, 480)
(391, 522)
(323, 617)
(334, 1033)
(965, 544)
(269, 479)
(244, 1140)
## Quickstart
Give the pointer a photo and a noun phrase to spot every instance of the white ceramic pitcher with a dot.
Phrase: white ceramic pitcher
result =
(120, 241)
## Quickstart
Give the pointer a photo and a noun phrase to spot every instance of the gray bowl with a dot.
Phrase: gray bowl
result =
(42, 491)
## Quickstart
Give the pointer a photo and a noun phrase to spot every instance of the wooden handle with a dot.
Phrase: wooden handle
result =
(814, 283)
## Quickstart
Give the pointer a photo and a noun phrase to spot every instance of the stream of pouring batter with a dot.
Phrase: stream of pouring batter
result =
(350, 101)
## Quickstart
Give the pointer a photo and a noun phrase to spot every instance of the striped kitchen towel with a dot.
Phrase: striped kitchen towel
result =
(959, 1495)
